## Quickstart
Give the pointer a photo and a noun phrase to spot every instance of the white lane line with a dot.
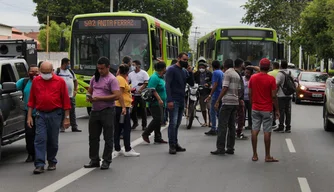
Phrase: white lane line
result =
(304, 186)
(290, 145)
(83, 171)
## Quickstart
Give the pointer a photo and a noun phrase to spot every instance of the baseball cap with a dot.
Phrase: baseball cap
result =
(265, 62)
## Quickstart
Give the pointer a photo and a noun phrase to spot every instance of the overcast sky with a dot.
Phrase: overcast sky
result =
(208, 14)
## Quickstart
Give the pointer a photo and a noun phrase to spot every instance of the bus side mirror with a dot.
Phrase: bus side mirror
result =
(280, 51)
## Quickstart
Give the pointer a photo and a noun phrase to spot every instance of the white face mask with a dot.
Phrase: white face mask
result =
(47, 76)
(202, 70)
(132, 68)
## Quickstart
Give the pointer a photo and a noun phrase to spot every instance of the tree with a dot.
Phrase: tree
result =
(276, 14)
(55, 32)
(316, 29)
(173, 12)
(63, 11)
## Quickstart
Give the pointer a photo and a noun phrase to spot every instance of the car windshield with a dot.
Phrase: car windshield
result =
(252, 51)
(88, 48)
(294, 72)
(314, 77)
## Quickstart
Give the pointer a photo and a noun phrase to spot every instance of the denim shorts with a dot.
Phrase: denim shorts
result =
(264, 118)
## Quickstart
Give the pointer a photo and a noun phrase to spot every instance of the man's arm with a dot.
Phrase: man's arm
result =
(222, 94)
(169, 78)
(146, 78)
(250, 95)
(32, 97)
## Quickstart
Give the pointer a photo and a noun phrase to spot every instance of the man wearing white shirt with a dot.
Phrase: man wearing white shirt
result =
(138, 79)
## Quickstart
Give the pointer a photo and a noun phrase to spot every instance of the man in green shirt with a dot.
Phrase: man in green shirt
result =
(157, 107)
(275, 69)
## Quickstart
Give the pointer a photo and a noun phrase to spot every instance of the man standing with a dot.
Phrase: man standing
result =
(284, 101)
(138, 79)
(49, 96)
(24, 85)
(176, 79)
(238, 65)
(72, 85)
(227, 114)
(274, 73)
(102, 93)
(262, 94)
(203, 78)
(217, 80)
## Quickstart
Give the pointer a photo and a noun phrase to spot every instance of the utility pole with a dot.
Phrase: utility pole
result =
(47, 32)
(195, 39)
(289, 54)
(111, 6)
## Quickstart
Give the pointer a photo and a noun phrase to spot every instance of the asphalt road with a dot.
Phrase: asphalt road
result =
(306, 163)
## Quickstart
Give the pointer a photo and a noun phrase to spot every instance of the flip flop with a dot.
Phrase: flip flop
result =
(255, 158)
(271, 160)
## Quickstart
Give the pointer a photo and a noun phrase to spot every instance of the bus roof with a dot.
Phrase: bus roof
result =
(150, 19)
(233, 27)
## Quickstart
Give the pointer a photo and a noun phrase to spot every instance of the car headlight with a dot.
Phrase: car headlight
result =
(303, 88)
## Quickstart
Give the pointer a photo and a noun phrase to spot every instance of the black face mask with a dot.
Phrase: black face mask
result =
(184, 64)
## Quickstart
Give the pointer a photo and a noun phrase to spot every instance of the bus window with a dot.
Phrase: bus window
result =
(158, 34)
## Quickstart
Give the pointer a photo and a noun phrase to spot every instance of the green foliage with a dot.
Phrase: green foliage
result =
(63, 11)
(55, 31)
(173, 12)
(276, 14)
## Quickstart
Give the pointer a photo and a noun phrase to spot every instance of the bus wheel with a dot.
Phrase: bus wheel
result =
(89, 109)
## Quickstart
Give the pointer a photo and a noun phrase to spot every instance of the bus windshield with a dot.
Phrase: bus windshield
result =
(87, 48)
(250, 50)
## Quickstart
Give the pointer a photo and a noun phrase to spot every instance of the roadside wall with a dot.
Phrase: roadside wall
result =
(53, 57)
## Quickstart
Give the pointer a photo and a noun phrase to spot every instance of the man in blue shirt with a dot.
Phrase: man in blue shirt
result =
(217, 80)
(24, 85)
(177, 77)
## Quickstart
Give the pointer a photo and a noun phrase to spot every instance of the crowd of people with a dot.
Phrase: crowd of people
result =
(232, 91)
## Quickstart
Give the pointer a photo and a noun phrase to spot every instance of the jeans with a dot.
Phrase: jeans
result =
(175, 118)
(226, 123)
(155, 124)
(124, 129)
(73, 118)
(284, 105)
(142, 108)
(248, 109)
(99, 121)
(214, 114)
(30, 136)
(47, 133)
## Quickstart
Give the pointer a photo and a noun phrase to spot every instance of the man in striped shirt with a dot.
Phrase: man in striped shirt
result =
(227, 114)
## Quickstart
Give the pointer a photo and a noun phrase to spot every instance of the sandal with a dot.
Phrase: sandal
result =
(204, 125)
(255, 158)
(271, 160)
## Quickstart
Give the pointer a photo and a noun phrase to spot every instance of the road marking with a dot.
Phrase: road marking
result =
(304, 186)
(83, 171)
(290, 145)
(82, 116)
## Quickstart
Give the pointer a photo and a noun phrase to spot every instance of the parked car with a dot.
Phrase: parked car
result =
(328, 107)
(294, 73)
(310, 86)
(12, 113)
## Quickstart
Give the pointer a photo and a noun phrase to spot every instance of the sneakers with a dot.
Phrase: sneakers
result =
(211, 133)
(241, 136)
(131, 153)
(117, 153)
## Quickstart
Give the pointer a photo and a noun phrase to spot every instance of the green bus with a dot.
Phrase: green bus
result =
(247, 43)
(115, 35)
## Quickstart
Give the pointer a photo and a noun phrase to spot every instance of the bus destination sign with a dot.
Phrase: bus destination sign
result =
(246, 33)
(121, 23)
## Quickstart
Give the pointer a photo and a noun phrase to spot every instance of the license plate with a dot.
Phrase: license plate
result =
(317, 95)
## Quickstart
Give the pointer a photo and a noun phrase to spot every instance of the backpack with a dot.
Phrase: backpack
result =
(25, 82)
(147, 95)
(58, 71)
(289, 86)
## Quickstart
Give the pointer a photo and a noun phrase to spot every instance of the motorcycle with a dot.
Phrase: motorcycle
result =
(192, 104)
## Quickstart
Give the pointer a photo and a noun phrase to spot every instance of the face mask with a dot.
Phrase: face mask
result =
(47, 76)
(67, 67)
(202, 70)
(184, 64)
(132, 68)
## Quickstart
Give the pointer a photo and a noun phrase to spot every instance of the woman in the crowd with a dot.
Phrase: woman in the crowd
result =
(157, 107)
(123, 122)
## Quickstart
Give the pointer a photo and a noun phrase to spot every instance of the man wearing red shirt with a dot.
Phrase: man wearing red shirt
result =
(262, 94)
(49, 96)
